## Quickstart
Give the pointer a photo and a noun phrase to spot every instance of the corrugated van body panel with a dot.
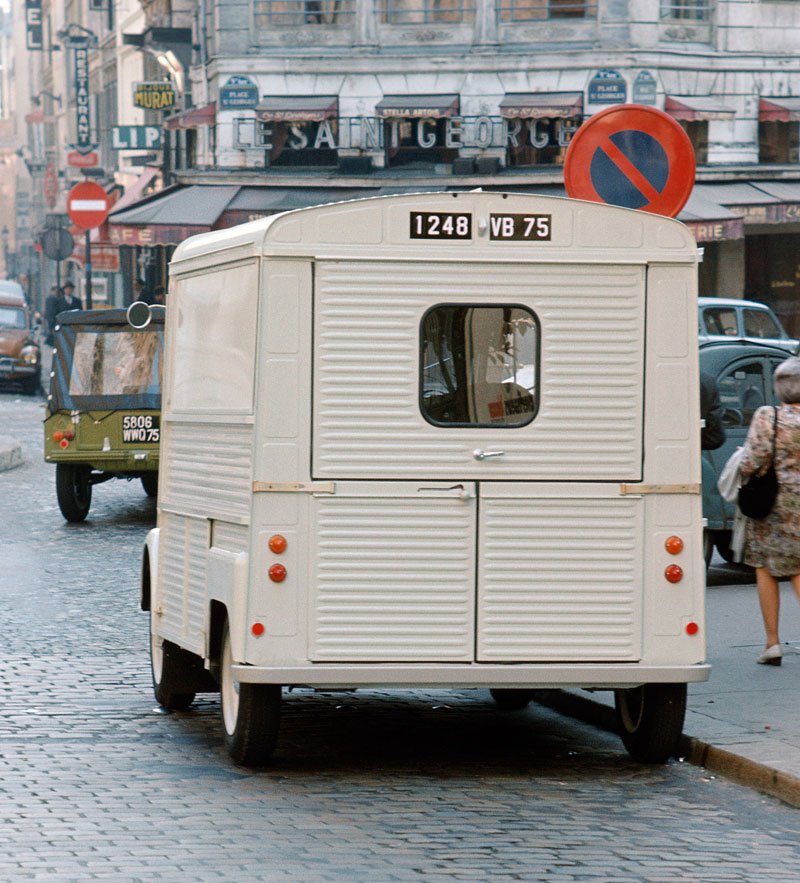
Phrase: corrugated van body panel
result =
(230, 537)
(367, 418)
(392, 575)
(560, 575)
(183, 549)
(208, 470)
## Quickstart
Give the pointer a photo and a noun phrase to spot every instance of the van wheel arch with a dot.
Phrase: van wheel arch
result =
(144, 592)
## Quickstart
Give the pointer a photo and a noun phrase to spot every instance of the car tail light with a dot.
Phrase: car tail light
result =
(673, 573)
(674, 545)
(277, 543)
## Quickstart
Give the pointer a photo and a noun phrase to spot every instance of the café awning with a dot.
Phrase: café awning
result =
(415, 106)
(541, 105)
(690, 108)
(193, 117)
(784, 109)
(298, 108)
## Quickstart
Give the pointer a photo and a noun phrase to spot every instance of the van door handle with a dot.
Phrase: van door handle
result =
(457, 490)
(478, 454)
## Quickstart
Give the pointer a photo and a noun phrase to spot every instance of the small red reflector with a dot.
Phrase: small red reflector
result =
(277, 544)
(258, 629)
(64, 443)
(692, 628)
(673, 573)
(277, 573)
(69, 435)
(674, 545)
(58, 435)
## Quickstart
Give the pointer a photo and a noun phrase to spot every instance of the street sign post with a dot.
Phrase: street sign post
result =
(633, 156)
(87, 207)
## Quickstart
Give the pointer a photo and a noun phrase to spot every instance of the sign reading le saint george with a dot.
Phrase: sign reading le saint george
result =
(458, 225)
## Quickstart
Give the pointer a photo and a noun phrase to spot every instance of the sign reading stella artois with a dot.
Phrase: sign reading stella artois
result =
(154, 96)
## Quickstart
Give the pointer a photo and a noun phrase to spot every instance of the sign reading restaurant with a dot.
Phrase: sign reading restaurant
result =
(154, 96)
(372, 133)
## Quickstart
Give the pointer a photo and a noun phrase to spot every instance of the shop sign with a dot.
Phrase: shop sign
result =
(33, 25)
(51, 185)
(607, 87)
(716, 231)
(238, 93)
(82, 160)
(154, 96)
(135, 137)
(371, 133)
(105, 258)
(775, 213)
(644, 88)
(157, 234)
(83, 144)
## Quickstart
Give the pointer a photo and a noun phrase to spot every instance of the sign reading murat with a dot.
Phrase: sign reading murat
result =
(154, 96)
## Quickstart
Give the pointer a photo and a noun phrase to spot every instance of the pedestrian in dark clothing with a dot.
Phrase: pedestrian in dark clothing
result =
(52, 305)
(712, 435)
(70, 301)
(160, 296)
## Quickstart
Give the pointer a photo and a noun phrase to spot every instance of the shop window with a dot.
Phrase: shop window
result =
(301, 143)
(540, 142)
(779, 142)
(479, 365)
(404, 12)
(542, 10)
(417, 140)
(697, 130)
(296, 13)
(686, 10)
(742, 392)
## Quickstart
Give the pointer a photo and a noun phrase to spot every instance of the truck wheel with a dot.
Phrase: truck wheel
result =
(169, 669)
(250, 713)
(73, 490)
(511, 699)
(31, 385)
(150, 483)
(650, 720)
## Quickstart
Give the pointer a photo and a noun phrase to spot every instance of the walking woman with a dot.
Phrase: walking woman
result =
(772, 544)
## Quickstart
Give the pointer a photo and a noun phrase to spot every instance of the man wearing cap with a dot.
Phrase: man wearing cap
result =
(70, 301)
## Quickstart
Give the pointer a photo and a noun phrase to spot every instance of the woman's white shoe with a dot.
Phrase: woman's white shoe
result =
(771, 656)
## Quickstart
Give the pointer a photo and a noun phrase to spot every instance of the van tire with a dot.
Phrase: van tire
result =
(510, 699)
(150, 484)
(171, 668)
(73, 490)
(250, 713)
(650, 720)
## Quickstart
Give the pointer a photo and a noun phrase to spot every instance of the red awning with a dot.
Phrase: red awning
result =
(697, 107)
(779, 110)
(194, 117)
(417, 106)
(541, 105)
(298, 109)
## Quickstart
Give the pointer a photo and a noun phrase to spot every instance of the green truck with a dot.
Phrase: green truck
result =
(104, 405)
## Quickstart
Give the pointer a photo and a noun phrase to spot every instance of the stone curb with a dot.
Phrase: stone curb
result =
(742, 770)
(10, 454)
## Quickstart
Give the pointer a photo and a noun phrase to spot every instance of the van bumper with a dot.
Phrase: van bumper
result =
(532, 676)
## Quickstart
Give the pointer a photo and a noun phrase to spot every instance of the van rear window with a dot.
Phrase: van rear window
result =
(479, 365)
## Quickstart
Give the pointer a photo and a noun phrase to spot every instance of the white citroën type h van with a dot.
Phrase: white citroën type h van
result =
(444, 439)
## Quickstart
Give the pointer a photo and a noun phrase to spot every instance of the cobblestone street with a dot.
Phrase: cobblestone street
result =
(97, 782)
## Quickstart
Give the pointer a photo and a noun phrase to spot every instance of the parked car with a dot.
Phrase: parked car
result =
(724, 318)
(104, 406)
(743, 371)
(20, 358)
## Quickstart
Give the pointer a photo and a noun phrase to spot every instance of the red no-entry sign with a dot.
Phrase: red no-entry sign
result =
(87, 205)
(634, 156)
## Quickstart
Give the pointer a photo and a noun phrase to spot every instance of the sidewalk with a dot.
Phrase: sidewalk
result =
(743, 723)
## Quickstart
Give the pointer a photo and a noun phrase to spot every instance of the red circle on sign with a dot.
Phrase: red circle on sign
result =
(596, 134)
(87, 205)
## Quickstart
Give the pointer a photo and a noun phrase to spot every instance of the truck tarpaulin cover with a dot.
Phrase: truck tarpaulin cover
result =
(101, 363)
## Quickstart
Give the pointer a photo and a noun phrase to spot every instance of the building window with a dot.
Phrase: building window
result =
(779, 142)
(697, 130)
(417, 140)
(296, 13)
(479, 365)
(541, 10)
(301, 143)
(406, 12)
(686, 10)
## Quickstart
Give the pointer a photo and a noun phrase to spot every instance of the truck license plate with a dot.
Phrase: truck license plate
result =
(140, 429)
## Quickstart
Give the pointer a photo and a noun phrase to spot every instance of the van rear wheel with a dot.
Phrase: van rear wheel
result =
(650, 720)
(73, 490)
(150, 483)
(170, 670)
(250, 713)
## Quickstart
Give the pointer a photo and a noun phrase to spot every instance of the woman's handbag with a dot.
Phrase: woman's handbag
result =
(757, 496)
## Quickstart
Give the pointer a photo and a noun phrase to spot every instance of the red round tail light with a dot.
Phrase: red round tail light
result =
(277, 573)
(674, 545)
(673, 573)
